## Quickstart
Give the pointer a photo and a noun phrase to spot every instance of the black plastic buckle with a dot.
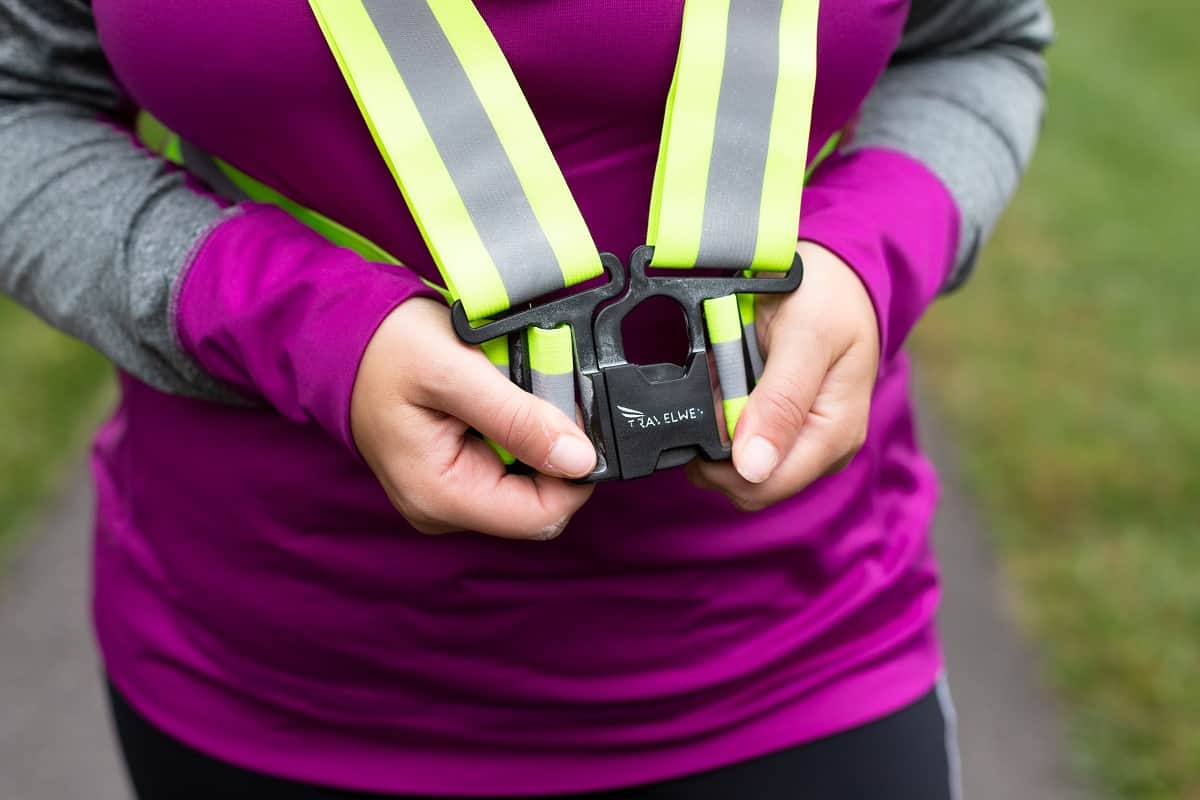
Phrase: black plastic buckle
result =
(640, 418)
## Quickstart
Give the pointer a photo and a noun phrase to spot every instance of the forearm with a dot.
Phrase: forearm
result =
(894, 223)
(113, 245)
(242, 305)
(94, 232)
(937, 153)
(965, 96)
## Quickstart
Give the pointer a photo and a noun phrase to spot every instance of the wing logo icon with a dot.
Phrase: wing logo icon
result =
(631, 414)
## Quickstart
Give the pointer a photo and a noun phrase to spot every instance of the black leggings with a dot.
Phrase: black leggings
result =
(901, 757)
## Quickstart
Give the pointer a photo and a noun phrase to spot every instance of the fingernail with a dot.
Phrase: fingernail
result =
(758, 460)
(571, 456)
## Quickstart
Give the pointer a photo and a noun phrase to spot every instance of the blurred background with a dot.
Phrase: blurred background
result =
(1065, 378)
(1069, 373)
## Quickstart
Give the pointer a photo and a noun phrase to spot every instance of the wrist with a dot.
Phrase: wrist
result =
(894, 224)
(832, 305)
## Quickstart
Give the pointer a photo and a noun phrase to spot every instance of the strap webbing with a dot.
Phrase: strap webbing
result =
(735, 137)
(750, 332)
(460, 140)
(724, 323)
(552, 367)
(233, 184)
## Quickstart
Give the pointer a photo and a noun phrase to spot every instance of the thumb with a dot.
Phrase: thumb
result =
(778, 406)
(534, 431)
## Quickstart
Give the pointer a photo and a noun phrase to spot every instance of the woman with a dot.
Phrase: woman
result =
(293, 418)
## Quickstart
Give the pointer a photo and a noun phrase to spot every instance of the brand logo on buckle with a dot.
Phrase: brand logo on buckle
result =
(640, 419)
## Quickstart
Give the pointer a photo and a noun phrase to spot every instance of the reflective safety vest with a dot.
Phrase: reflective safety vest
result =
(462, 144)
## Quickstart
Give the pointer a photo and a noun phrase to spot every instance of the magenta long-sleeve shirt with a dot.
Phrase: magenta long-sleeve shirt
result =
(258, 598)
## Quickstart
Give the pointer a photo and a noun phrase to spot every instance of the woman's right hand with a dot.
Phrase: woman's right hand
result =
(418, 391)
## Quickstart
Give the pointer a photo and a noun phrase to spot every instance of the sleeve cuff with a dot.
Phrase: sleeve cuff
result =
(894, 223)
(270, 307)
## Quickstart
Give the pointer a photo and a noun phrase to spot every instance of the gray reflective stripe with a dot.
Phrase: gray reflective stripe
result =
(750, 334)
(745, 108)
(469, 146)
(504, 370)
(557, 390)
(205, 167)
(731, 368)
(950, 722)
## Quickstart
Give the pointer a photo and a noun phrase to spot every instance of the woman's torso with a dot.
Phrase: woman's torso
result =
(254, 587)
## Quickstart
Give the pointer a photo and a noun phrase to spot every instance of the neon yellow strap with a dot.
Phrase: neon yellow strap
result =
(496, 351)
(724, 324)
(735, 137)
(461, 142)
(166, 143)
(750, 335)
(746, 301)
(552, 367)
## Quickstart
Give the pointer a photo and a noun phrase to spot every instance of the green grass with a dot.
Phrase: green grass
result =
(52, 391)
(1070, 368)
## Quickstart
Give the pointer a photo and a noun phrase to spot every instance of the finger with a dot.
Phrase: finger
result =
(779, 405)
(720, 477)
(474, 492)
(834, 431)
(697, 474)
(819, 450)
(534, 431)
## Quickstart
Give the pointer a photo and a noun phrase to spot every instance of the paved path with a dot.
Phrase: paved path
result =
(55, 742)
(1010, 730)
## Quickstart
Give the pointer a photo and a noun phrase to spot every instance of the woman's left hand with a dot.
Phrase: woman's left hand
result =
(807, 417)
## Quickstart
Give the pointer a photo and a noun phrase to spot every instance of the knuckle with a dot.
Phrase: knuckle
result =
(545, 511)
(425, 381)
(829, 450)
(848, 443)
(836, 466)
(517, 420)
(446, 373)
(433, 380)
(858, 438)
(840, 462)
(551, 529)
(835, 460)
(415, 515)
(427, 527)
(782, 405)
(823, 337)
(748, 504)
(421, 508)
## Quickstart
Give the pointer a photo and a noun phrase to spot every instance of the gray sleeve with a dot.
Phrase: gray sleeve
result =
(94, 232)
(965, 95)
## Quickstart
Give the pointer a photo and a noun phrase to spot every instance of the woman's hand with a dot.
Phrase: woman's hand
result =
(418, 391)
(807, 417)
